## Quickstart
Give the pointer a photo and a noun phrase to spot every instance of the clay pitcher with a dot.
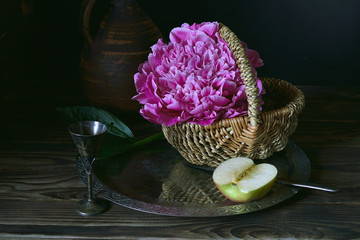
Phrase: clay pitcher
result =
(111, 56)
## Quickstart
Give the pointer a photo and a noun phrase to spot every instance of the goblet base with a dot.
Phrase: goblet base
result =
(89, 207)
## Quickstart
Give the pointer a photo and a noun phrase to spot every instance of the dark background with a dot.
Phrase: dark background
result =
(309, 42)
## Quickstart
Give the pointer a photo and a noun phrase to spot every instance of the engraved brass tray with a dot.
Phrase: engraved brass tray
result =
(157, 180)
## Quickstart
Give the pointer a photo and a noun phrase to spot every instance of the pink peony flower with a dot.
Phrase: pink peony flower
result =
(194, 78)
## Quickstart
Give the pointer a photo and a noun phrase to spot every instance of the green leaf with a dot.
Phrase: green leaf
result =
(147, 140)
(83, 113)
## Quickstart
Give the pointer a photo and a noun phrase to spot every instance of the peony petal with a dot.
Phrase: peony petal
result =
(260, 86)
(254, 58)
(149, 112)
(142, 98)
(219, 100)
(209, 28)
(166, 119)
(154, 60)
(177, 35)
(176, 106)
(200, 108)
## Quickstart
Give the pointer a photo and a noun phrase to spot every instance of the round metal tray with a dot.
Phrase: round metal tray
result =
(157, 180)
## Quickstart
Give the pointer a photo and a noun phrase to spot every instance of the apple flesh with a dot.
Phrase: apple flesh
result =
(241, 180)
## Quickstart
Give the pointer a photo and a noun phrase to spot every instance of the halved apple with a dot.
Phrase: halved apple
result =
(241, 180)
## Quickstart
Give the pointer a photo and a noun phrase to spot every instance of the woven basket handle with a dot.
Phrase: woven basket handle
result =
(246, 73)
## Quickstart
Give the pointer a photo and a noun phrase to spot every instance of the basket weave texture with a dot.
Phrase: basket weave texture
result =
(257, 135)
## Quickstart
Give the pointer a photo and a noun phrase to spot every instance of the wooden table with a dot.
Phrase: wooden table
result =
(39, 185)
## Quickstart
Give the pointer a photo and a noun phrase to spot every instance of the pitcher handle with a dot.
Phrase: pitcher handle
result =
(85, 12)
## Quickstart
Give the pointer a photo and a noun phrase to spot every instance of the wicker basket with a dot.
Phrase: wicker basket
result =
(257, 135)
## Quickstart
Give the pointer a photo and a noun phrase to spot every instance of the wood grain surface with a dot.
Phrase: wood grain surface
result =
(39, 185)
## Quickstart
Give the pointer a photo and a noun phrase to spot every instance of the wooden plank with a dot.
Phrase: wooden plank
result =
(288, 220)
(39, 185)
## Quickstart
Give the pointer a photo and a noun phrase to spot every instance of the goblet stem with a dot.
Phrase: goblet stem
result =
(90, 206)
(88, 170)
(89, 177)
(90, 191)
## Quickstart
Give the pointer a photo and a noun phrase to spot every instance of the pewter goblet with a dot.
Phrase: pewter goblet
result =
(87, 136)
